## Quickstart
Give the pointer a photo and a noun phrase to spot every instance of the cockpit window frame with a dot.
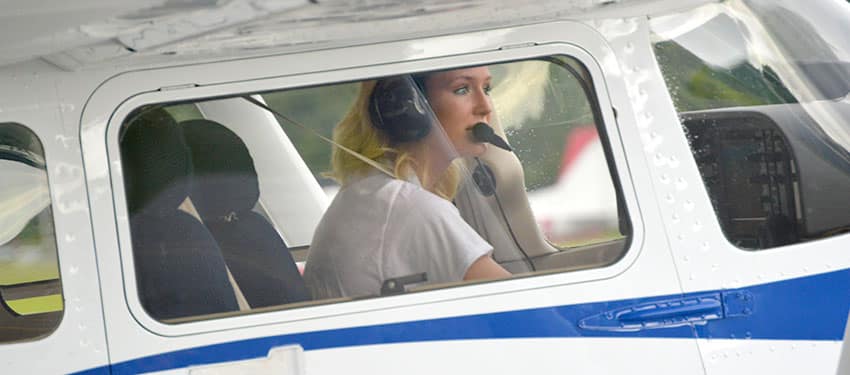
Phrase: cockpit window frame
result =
(265, 81)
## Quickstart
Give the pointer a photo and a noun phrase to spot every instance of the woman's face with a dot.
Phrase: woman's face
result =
(460, 99)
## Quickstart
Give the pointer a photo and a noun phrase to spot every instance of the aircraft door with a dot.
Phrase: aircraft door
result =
(584, 289)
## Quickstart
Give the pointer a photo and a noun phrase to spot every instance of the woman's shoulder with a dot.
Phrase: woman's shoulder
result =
(413, 201)
(403, 195)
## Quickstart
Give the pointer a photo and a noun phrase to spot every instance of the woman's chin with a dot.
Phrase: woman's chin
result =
(476, 149)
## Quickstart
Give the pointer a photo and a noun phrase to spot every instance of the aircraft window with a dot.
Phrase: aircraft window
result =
(766, 116)
(322, 107)
(294, 197)
(555, 137)
(30, 289)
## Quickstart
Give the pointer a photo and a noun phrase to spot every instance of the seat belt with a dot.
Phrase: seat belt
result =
(241, 301)
(240, 298)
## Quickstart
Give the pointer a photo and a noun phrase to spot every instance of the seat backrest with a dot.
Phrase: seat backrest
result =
(180, 270)
(225, 190)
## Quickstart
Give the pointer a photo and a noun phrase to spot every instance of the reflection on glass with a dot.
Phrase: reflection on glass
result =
(551, 125)
(761, 89)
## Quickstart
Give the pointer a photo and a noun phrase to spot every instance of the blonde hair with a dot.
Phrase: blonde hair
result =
(356, 132)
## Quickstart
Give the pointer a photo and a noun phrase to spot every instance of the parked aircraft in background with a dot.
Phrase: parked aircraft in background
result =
(583, 185)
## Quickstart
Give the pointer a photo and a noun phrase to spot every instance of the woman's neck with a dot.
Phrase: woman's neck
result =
(429, 167)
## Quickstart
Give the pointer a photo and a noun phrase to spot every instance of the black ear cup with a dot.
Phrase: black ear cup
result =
(484, 178)
(398, 108)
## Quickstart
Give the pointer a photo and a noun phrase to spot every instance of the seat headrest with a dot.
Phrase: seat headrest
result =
(224, 178)
(155, 163)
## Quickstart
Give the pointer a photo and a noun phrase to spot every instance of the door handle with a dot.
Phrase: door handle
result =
(671, 312)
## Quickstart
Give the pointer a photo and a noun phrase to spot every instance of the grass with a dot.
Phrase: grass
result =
(37, 305)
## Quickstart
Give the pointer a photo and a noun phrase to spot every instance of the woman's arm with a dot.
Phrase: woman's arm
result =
(485, 268)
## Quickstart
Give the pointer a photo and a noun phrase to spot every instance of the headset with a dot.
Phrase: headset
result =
(399, 109)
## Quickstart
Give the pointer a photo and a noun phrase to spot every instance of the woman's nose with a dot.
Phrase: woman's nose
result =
(483, 105)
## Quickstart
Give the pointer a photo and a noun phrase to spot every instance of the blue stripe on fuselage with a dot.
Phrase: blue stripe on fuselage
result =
(808, 308)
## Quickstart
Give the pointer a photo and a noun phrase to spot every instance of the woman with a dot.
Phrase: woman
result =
(400, 221)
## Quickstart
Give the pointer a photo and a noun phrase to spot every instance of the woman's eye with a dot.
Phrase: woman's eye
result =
(487, 89)
(462, 91)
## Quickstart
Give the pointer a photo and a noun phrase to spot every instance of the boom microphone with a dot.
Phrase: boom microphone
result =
(482, 132)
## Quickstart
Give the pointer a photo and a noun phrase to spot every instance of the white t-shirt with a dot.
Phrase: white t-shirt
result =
(379, 228)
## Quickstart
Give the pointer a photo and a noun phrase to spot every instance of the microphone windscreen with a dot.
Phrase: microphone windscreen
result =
(482, 132)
